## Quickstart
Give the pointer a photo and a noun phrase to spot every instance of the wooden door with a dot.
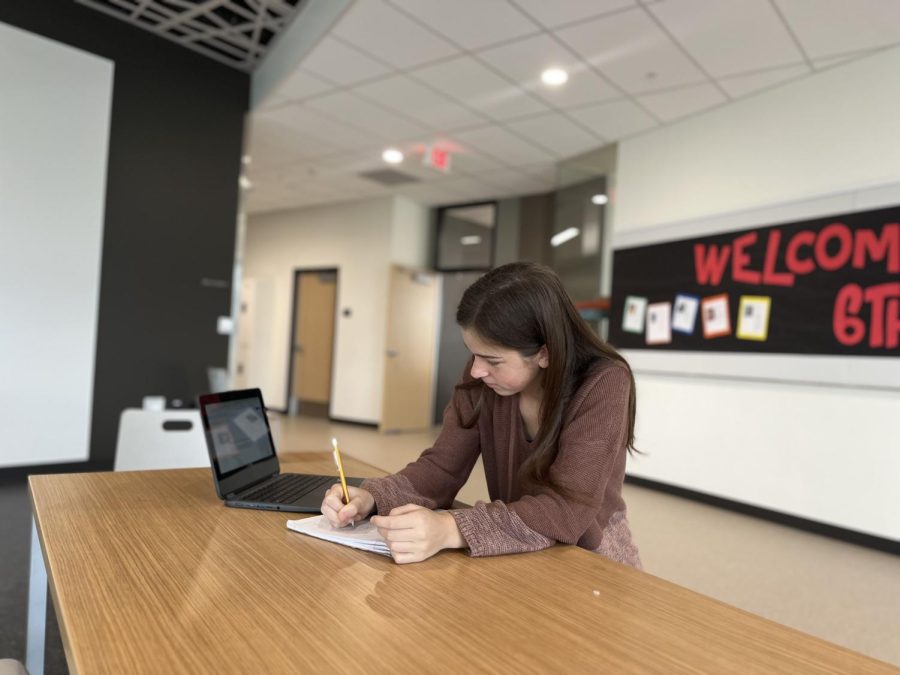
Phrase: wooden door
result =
(409, 368)
(314, 297)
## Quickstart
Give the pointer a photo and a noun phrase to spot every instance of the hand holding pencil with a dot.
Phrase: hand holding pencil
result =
(345, 504)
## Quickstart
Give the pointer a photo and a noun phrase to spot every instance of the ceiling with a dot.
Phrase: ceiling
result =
(235, 32)
(464, 76)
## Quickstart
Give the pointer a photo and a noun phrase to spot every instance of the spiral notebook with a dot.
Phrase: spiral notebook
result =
(364, 535)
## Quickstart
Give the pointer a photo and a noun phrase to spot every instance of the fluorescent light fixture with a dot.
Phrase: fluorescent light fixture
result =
(599, 200)
(554, 77)
(470, 240)
(562, 237)
(245, 183)
(392, 156)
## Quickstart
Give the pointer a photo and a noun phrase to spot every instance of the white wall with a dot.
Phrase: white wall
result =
(360, 239)
(54, 133)
(827, 453)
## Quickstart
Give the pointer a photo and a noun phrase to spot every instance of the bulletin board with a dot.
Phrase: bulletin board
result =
(805, 298)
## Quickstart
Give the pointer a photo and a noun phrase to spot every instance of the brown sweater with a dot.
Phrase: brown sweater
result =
(590, 462)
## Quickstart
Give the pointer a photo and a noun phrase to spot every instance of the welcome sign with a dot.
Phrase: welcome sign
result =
(822, 286)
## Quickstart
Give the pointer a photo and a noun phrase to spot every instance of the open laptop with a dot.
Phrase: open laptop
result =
(244, 465)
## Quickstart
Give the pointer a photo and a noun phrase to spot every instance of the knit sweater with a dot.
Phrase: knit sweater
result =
(589, 463)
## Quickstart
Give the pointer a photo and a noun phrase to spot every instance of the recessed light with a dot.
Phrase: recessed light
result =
(246, 159)
(554, 77)
(599, 200)
(392, 156)
(245, 182)
(470, 240)
(562, 237)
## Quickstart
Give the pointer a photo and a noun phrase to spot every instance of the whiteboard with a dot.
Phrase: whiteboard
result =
(879, 373)
(54, 136)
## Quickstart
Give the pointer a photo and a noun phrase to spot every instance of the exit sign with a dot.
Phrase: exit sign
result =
(437, 158)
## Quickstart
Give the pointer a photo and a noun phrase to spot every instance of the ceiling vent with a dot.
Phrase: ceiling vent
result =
(389, 177)
(234, 32)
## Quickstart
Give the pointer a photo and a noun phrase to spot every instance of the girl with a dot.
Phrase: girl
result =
(549, 407)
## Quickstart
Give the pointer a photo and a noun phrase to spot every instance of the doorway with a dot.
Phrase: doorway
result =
(312, 342)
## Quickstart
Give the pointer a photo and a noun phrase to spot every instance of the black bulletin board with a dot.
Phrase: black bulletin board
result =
(832, 286)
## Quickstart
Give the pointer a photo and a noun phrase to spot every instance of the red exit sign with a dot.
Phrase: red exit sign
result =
(437, 158)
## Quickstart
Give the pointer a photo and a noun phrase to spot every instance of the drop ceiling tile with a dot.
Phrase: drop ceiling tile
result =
(316, 128)
(832, 27)
(670, 105)
(503, 146)
(727, 38)
(632, 51)
(470, 23)
(742, 85)
(473, 84)
(377, 28)
(614, 120)
(470, 161)
(337, 62)
(272, 142)
(419, 102)
(523, 61)
(830, 61)
(300, 85)
(358, 112)
(557, 134)
(559, 12)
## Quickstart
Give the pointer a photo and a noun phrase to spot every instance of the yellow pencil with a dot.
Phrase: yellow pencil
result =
(340, 467)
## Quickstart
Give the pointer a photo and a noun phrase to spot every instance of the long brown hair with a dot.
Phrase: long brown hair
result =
(524, 306)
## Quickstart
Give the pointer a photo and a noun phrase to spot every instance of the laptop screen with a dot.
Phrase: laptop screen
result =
(238, 432)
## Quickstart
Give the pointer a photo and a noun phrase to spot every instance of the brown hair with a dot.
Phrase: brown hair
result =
(524, 306)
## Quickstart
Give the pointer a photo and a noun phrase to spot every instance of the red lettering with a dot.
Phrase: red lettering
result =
(740, 259)
(877, 297)
(840, 232)
(792, 260)
(849, 329)
(892, 324)
(770, 276)
(709, 265)
(888, 246)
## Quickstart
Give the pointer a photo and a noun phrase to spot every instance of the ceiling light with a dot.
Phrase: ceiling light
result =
(392, 156)
(554, 77)
(244, 182)
(246, 159)
(562, 237)
(470, 240)
(599, 200)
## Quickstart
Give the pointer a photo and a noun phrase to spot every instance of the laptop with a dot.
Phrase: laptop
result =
(244, 464)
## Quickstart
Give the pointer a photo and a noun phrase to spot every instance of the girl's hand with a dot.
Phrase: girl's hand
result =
(339, 514)
(414, 533)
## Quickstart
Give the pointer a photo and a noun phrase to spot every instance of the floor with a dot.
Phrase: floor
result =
(837, 591)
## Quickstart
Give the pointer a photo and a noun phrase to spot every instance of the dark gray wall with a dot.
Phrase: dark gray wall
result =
(175, 144)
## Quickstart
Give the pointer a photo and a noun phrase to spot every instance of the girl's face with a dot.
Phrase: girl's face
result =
(505, 370)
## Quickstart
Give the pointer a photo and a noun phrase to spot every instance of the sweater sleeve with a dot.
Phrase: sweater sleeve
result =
(590, 444)
(435, 478)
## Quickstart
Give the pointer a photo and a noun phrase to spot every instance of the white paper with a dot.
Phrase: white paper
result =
(753, 317)
(659, 327)
(364, 535)
(684, 316)
(633, 316)
(716, 320)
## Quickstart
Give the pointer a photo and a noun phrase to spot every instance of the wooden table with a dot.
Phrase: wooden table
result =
(149, 573)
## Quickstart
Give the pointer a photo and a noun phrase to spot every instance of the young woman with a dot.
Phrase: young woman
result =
(550, 409)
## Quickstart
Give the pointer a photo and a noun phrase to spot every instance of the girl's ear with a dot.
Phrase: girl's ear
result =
(543, 357)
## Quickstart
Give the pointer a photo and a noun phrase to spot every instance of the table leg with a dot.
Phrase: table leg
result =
(37, 607)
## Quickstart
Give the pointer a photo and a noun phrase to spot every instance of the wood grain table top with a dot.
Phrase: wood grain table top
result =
(150, 573)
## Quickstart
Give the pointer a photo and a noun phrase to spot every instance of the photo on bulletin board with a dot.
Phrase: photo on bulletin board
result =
(659, 327)
(823, 286)
(753, 317)
(684, 316)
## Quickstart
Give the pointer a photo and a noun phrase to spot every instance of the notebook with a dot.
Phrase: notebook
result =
(364, 535)
(245, 467)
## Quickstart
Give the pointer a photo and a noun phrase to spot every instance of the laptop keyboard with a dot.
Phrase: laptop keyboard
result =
(287, 488)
